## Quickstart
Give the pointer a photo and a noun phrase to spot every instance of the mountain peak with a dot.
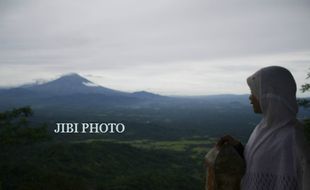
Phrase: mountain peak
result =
(71, 83)
(145, 94)
(72, 77)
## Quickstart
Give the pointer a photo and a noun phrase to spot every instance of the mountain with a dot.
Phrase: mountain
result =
(71, 90)
(71, 84)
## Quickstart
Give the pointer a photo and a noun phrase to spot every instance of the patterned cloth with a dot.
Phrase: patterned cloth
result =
(265, 181)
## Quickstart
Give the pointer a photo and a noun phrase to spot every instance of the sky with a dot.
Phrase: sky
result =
(170, 47)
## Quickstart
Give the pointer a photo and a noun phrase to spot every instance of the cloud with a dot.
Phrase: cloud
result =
(157, 45)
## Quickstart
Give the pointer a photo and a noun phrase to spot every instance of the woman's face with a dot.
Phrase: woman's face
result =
(255, 104)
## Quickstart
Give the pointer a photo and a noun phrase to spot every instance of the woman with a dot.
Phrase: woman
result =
(276, 156)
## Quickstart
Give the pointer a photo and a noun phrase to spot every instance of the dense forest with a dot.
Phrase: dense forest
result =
(32, 159)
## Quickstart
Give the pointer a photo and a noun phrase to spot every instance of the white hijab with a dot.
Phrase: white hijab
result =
(271, 154)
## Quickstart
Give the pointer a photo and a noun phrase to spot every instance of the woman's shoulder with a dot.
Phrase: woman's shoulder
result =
(290, 135)
(294, 130)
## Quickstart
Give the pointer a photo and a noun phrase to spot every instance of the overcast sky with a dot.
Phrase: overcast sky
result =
(171, 47)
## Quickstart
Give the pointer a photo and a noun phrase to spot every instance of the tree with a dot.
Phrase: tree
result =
(306, 87)
(15, 129)
(306, 103)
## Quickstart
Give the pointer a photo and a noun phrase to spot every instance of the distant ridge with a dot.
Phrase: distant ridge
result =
(145, 94)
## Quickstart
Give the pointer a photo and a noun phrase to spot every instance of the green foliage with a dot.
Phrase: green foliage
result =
(305, 88)
(97, 165)
(15, 129)
(306, 103)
